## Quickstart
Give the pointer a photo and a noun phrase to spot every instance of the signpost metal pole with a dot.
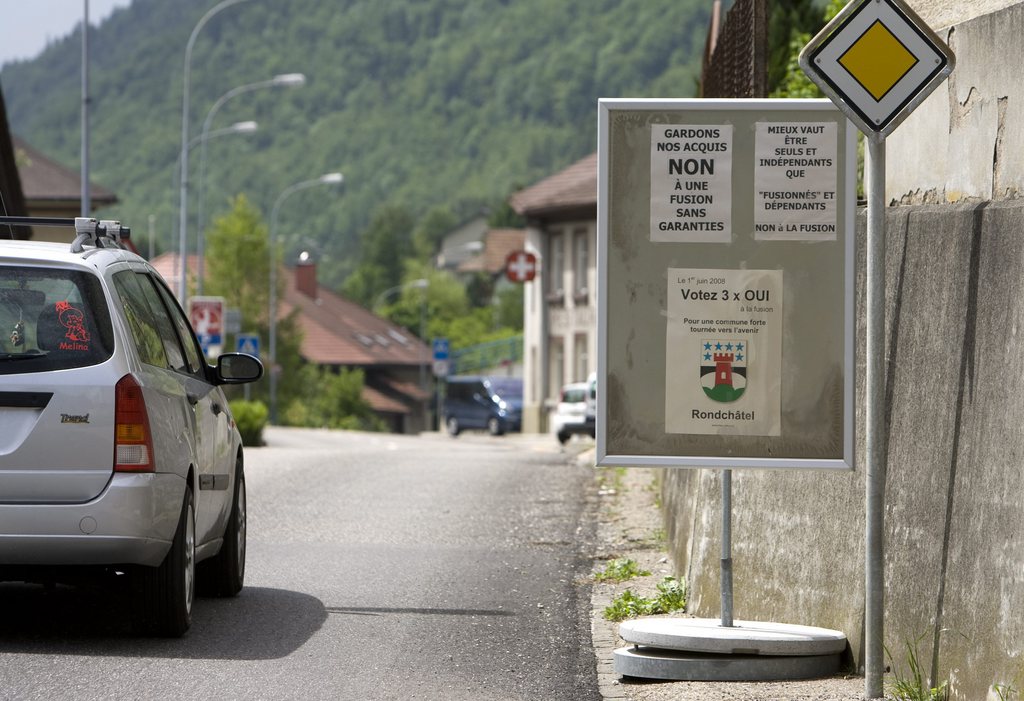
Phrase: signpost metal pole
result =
(727, 548)
(875, 430)
(876, 95)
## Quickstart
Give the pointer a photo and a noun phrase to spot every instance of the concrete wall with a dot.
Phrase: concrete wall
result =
(965, 142)
(943, 13)
(954, 490)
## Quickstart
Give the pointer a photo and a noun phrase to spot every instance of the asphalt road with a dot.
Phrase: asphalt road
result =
(379, 567)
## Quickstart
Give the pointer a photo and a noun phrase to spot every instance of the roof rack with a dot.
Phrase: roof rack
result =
(87, 229)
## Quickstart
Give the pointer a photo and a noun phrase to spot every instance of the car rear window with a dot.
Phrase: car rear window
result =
(52, 319)
(507, 387)
(574, 395)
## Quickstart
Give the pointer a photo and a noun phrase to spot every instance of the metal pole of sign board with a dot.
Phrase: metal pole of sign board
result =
(727, 548)
(875, 429)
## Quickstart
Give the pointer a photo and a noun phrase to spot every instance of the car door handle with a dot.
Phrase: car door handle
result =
(193, 399)
(216, 408)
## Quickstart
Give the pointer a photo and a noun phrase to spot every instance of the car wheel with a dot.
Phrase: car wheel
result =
(452, 424)
(494, 426)
(563, 437)
(162, 597)
(224, 573)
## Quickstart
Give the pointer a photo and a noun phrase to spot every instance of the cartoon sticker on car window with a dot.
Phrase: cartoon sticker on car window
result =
(73, 320)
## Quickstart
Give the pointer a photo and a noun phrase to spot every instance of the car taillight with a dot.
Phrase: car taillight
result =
(133, 442)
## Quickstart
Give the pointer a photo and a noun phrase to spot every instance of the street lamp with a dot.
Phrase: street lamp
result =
(246, 127)
(183, 186)
(419, 284)
(285, 80)
(326, 179)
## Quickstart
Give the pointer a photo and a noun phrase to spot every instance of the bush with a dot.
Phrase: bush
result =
(337, 402)
(250, 418)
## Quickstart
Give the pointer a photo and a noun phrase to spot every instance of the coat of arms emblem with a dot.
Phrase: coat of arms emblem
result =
(723, 369)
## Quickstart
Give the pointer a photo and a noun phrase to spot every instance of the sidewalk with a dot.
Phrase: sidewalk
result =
(630, 525)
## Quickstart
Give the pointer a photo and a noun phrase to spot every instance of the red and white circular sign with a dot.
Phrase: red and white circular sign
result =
(521, 266)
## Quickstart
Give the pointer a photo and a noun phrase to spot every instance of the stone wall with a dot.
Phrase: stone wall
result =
(955, 484)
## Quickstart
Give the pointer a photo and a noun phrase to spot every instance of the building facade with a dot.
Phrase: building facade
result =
(560, 304)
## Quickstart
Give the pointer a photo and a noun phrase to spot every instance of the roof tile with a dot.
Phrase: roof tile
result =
(576, 186)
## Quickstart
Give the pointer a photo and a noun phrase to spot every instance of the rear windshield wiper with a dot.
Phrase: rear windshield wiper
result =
(22, 356)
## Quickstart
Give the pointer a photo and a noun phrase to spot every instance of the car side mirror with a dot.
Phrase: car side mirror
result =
(238, 368)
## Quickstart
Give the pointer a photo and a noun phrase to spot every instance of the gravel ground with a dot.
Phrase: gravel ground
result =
(630, 526)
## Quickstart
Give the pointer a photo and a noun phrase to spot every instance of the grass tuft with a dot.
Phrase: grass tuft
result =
(671, 597)
(911, 686)
(620, 570)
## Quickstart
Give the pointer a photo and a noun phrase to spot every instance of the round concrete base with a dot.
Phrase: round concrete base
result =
(652, 663)
(745, 637)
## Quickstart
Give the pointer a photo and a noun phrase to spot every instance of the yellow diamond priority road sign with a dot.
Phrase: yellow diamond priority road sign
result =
(877, 60)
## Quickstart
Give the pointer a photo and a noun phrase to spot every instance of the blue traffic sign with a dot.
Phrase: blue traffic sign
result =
(440, 349)
(248, 343)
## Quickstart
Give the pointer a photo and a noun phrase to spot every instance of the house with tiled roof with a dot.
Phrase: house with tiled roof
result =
(34, 185)
(495, 248)
(560, 304)
(338, 333)
(53, 190)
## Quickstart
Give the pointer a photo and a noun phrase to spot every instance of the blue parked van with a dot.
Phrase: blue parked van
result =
(491, 403)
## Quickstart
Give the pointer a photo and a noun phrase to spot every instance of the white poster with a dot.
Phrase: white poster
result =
(691, 183)
(795, 181)
(723, 356)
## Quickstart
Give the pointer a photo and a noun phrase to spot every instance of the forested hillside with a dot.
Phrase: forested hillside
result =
(420, 103)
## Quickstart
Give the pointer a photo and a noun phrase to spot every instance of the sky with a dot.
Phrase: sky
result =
(27, 26)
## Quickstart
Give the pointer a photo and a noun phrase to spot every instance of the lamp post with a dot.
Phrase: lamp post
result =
(419, 284)
(326, 179)
(183, 185)
(86, 204)
(285, 80)
(246, 127)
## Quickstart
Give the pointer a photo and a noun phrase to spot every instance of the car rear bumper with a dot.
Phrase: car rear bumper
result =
(131, 523)
(578, 426)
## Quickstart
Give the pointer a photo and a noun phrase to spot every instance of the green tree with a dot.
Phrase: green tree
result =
(386, 244)
(509, 309)
(504, 217)
(480, 289)
(792, 82)
(238, 269)
(337, 403)
(788, 22)
(449, 313)
(430, 229)
(238, 262)
(444, 296)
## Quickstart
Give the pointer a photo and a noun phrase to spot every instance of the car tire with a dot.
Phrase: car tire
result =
(224, 574)
(563, 437)
(452, 424)
(162, 596)
(494, 426)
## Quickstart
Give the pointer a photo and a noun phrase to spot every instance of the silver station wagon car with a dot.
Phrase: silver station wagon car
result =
(118, 452)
